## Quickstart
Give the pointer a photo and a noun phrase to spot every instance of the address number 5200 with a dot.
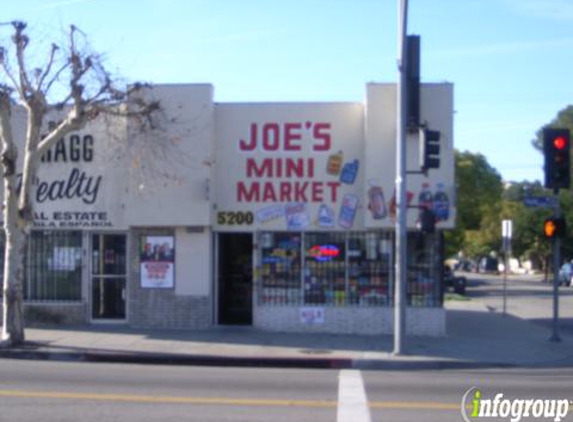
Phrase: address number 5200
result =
(232, 218)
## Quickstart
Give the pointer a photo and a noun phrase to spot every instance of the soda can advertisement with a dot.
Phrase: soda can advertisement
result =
(441, 203)
(325, 216)
(349, 172)
(376, 204)
(348, 211)
(296, 216)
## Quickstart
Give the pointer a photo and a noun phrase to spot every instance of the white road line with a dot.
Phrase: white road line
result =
(352, 401)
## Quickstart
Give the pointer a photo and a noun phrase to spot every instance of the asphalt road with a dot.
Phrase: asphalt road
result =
(61, 392)
(527, 297)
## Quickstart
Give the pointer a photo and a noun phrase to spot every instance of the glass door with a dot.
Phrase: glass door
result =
(108, 276)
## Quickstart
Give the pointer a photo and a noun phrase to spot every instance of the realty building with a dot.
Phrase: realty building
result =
(276, 215)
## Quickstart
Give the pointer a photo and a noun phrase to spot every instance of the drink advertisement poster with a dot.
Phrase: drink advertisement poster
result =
(157, 262)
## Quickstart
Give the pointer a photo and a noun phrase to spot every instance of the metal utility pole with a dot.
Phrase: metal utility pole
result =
(400, 265)
(556, 262)
(506, 234)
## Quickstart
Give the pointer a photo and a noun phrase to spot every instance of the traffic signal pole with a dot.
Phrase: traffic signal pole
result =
(556, 264)
(400, 265)
(557, 169)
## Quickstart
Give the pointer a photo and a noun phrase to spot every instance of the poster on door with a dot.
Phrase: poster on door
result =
(157, 262)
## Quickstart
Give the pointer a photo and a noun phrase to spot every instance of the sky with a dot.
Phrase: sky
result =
(510, 60)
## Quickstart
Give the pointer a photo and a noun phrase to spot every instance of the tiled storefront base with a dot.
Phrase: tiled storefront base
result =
(419, 321)
(158, 311)
(162, 309)
(53, 313)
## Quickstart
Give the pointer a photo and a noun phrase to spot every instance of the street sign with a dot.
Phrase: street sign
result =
(506, 234)
(540, 201)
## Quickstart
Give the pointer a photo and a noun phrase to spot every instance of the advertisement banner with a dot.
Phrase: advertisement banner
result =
(157, 262)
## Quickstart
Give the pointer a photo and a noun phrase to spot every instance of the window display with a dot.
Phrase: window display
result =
(344, 269)
(325, 269)
(424, 271)
(280, 268)
(369, 267)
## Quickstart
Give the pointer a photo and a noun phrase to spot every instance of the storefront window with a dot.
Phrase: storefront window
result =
(424, 270)
(369, 269)
(54, 266)
(346, 269)
(325, 269)
(280, 268)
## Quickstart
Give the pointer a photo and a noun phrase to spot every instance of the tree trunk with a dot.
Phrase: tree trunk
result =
(13, 295)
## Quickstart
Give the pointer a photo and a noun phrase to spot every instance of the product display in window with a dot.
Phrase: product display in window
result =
(423, 288)
(325, 269)
(368, 270)
(280, 268)
(342, 269)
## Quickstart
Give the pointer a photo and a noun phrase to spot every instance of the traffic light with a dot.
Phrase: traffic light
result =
(554, 227)
(413, 83)
(429, 149)
(556, 149)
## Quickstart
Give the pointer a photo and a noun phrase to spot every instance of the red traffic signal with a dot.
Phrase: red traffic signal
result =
(554, 227)
(560, 143)
(556, 151)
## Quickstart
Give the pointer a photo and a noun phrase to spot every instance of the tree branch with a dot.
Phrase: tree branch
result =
(21, 42)
(48, 69)
(8, 72)
(55, 77)
(71, 123)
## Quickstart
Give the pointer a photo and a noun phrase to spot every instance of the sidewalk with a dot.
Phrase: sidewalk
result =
(476, 338)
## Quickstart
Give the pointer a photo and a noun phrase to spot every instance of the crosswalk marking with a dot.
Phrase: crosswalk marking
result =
(352, 401)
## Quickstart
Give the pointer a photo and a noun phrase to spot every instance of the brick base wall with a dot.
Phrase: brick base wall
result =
(419, 321)
(162, 309)
(53, 313)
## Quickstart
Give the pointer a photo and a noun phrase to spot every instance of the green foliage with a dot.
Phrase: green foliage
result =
(479, 194)
(483, 202)
(479, 188)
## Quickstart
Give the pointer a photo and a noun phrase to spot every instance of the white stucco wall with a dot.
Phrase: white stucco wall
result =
(173, 190)
(193, 259)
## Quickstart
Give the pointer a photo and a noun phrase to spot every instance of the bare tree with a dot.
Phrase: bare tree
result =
(72, 81)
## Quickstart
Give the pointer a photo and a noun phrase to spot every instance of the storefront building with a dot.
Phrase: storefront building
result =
(276, 215)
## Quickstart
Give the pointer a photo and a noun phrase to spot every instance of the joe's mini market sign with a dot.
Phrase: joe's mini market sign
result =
(307, 167)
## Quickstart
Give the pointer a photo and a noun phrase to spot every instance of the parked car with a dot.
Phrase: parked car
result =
(566, 274)
(457, 284)
(488, 264)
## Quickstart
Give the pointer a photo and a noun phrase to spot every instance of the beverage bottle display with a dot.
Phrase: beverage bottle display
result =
(441, 203)
(376, 203)
(334, 163)
(348, 211)
(325, 216)
(425, 199)
(349, 172)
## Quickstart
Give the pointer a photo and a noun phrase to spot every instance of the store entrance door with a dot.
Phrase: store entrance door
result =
(235, 278)
(108, 276)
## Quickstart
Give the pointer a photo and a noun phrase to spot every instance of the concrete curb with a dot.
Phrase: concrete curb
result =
(391, 364)
(29, 352)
